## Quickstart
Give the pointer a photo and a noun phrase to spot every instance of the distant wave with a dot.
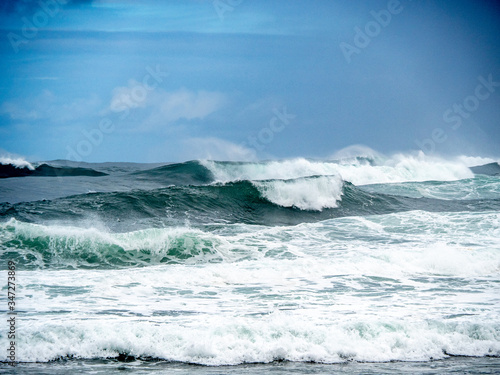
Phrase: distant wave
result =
(187, 173)
(358, 170)
(284, 192)
(479, 187)
(16, 162)
(45, 170)
(490, 169)
(265, 202)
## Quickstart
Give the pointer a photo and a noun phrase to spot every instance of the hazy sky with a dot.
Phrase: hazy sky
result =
(118, 80)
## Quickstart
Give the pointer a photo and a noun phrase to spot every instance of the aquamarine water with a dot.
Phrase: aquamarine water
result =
(344, 266)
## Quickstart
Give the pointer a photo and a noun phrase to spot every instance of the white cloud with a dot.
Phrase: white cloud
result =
(190, 105)
(165, 107)
(48, 106)
(17, 112)
(132, 96)
(216, 149)
(24, 109)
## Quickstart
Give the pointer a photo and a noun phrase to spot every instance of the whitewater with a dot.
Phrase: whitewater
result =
(352, 264)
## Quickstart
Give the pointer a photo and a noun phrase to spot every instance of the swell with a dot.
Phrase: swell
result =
(479, 187)
(45, 170)
(359, 171)
(247, 202)
(491, 169)
(187, 173)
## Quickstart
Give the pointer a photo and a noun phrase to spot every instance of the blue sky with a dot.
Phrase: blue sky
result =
(149, 81)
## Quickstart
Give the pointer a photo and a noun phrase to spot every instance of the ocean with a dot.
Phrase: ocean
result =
(355, 265)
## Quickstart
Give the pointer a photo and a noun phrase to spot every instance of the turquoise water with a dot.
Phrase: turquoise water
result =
(352, 266)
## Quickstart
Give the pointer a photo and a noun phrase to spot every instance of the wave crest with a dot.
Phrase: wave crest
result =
(358, 170)
(39, 246)
(16, 162)
(313, 193)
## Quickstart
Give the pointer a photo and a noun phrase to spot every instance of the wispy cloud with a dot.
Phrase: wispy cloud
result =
(217, 149)
(48, 106)
(162, 107)
(189, 104)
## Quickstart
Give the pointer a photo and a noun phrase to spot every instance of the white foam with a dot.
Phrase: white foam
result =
(397, 168)
(405, 168)
(315, 193)
(70, 245)
(219, 340)
(280, 170)
(479, 187)
(405, 286)
(17, 162)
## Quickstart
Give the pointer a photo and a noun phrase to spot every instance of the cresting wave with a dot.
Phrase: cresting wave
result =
(34, 246)
(358, 170)
(221, 263)
(312, 193)
(251, 294)
(276, 337)
(16, 162)
(266, 202)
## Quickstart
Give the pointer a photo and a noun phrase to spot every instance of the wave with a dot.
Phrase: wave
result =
(13, 170)
(400, 287)
(395, 245)
(358, 170)
(274, 337)
(187, 173)
(188, 313)
(45, 170)
(313, 193)
(490, 169)
(269, 170)
(16, 162)
(58, 246)
(265, 202)
(405, 168)
(479, 187)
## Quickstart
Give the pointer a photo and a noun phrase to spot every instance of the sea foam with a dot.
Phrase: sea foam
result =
(16, 162)
(313, 193)
(359, 171)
